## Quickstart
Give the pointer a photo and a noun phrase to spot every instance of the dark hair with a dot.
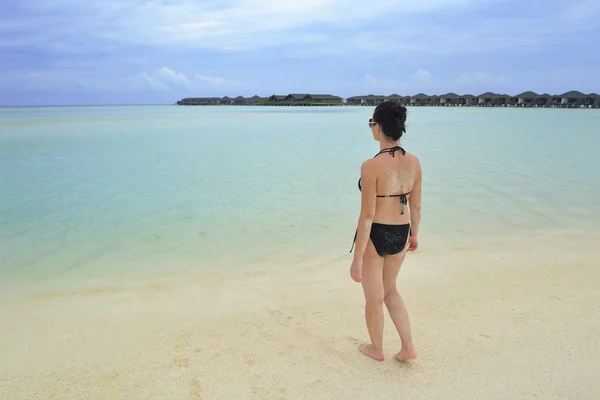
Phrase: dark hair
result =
(392, 118)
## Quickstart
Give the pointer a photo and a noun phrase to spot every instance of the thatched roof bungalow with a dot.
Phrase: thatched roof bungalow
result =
(394, 97)
(450, 99)
(435, 100)
(575, 98)
(354, 100)
(505, 100)
(488, 99)
(370, 100)
(256, 99)
(276, 98)
(225, 100)
(406, 100)
(240, 100)
(322, 99)
(527, 98)
(553, 100)
(543, 100)
(420, 99)
(199, 101)
(591, 100)
(304, 99)
(572, 98)
(469, 99)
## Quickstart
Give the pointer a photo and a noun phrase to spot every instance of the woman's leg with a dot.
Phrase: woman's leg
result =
(372, 283)
(395, 305)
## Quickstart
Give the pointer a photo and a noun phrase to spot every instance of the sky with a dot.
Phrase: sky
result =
(73, 52)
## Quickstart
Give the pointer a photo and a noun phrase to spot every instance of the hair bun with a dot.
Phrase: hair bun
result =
(400, 115)
(399, 111)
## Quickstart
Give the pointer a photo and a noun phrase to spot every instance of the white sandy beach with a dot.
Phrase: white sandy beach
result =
(513, 320)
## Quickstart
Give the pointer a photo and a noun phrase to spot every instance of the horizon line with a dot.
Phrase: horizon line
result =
(88, 105)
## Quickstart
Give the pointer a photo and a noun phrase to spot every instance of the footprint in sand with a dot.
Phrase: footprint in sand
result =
(181, 362)
(112, 376)
(270, 393)
(182, 341)
(248, 360)
(180, 348)
(195, 390)
(353, 339)
(281, 318)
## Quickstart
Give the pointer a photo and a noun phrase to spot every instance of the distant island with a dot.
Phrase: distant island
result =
(571, 99)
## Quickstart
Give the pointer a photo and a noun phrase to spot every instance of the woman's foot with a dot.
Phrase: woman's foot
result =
(405, 355)
(370, 351)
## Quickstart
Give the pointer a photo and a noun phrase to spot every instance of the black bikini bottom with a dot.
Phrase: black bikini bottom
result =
(389, 239)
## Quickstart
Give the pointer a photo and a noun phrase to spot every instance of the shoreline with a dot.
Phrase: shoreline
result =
(513, 306)
(118, 276)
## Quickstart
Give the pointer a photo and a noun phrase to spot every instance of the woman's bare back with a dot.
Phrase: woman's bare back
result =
(396, 174)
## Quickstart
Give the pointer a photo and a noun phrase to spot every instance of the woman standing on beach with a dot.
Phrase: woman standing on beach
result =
(388, 182)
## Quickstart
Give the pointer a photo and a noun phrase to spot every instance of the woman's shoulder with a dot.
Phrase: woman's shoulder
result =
(370, 164)
(412, 156)
(414, 163)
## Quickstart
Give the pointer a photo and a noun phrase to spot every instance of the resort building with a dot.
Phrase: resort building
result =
(571, 99)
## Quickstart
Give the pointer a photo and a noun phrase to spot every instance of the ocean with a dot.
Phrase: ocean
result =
(106, 194)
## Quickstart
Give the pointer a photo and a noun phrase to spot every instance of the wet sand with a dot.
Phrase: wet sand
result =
(517, 319)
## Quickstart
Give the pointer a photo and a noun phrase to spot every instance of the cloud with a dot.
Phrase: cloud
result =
(232, 25)
(167, 79)
(421, 80)
(174, 48)
(422, 77)
(52, 80)
(144, 81)
(306, 28)
(252, 24)
(373, 85)
(162, 79)
(170, 76)
(424, 81)
(216, 81)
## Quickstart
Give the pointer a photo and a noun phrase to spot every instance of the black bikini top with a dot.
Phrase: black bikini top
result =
(401, 197)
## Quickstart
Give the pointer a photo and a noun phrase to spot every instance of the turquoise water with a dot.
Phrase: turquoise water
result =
(103, 191)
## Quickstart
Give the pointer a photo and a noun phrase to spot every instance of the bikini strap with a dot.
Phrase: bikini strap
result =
(392, 151)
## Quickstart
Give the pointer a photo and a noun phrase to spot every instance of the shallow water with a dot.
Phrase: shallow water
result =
(105, 191)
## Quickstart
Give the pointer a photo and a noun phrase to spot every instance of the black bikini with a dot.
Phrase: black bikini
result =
(388, 239)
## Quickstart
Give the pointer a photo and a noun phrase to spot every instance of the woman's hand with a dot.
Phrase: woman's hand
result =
(356, 270)
(413, 243)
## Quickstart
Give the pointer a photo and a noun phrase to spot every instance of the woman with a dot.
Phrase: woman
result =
(389, 182)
